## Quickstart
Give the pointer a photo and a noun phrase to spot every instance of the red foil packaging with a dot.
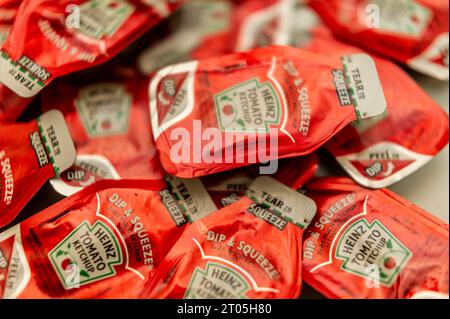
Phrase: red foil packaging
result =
(108, 118)
(373, 244)
(248, 249)
(30, 154)
(105, 241)
(283, 101)
(11, 105)
(51, 38)
(375, 153)
(413, 32)
(198, 30)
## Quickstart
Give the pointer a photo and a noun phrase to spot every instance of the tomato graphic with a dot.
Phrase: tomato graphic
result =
(415, 19)
(66, 264)
(106, 125)
(228, 109)
(389, 263)
(113, 5)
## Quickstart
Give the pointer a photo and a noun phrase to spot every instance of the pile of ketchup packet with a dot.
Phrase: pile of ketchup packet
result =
(174, 146)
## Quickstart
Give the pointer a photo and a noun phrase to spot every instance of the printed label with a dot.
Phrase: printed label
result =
(6, 179)
(168, 51)
(86, 170)
(104, 109)
(196, 20)
(192, 197)
(14, 269)
(282, 201)
(286, 22)
(382, 164)
(87, 254)
(171, 204)
(102, 18)
(230, 199)
(216, 281)
(171, 95)
(342, 90)
(26, 79)
(363, 84)
(248, 107)
(57, 140)
(236, 183)
(433, 61)
(39, 150)
(372, 251)
(261, 28)
(268, 215)
(205, 16)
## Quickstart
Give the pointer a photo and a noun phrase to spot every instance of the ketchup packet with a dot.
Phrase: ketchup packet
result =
(260, 23)
(375, 154)
(53, 38)
(372, 244)
(199, 30)
(413, 32)
(280, 101)
(11, 105)
(109, 121)
(105, 241)
(30, 154)
(249, 249)
(227, 187)
(413, 132)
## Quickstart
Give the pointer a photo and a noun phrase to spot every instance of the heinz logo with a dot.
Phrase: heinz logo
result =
(92, 251)
(370, 250)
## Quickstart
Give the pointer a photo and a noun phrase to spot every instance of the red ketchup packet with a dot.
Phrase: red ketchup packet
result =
(51, 38)
(413, 132)
(413, 32)
(30, 154)
(260, 23)
(11, 105)
(109, 120)
(373, 244)
(198, 31)
(375, 154)
(105, 241)
(249, 249)
(227, 187)
(267, 104)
